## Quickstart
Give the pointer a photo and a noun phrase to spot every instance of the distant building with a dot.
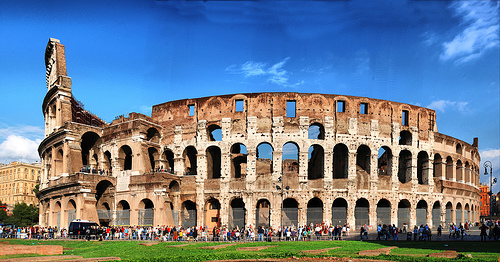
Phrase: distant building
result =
(17, 181)
(485, 200)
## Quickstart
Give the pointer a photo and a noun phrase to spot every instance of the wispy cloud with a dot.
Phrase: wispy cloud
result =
(275, 73)
(443, 105)
(429, 38)
(481, 21)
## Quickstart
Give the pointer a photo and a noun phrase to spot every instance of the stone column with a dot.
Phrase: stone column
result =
(251, 168)
(413, 214)
(374, 172)
(303, 166)
(351, 174)
(394, 172)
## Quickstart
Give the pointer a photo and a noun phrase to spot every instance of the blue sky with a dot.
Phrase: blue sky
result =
(128, 57)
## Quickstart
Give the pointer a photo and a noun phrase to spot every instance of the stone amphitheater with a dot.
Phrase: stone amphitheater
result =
(266, 159)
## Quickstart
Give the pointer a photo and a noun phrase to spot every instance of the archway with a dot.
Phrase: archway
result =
(125, 157)
(71, 207)
(404, 213)
(361, 213)
(421, 213)
(315, 211)
(214, 133)
(404, 171)
(189, 214)
(213, 154)
(263, 213)
(290, 157)
(169, 157)
(384, 161)
(384, 212)
(153, 159)
(363, 156)
(449, 213)
(466, 213)
(146, 213)
(339, 212)
(405, 138)
(104, 195)
(153, 135)
(190, 161)
(458, 212)
(423, 168)
(237, 213)
(460, 171)
(438, 166)
(449, 169)
(290, 214)
(122, 214)
(340, 161)
(436, 215)
(57, 213)
(212, 213)
(315, 164)
(107, 163)
(89, 146)
(264, 163)
(316, 131)
(238, 160)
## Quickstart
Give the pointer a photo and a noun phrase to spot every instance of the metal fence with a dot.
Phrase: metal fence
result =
(175, 216)
(447, 219)
(339, 215)
(122, 217)
(383, 215)
(189, 218)
(290, 216)
(403, 216)
(314, 215)
(237, 218)
(146, 217)
(436, 217)
(262, 217)
(361, 216)
(458, 217)
(71, 215)
(421, 216)
(104, 214)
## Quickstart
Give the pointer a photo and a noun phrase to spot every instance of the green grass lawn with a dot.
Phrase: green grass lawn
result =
(132, 251)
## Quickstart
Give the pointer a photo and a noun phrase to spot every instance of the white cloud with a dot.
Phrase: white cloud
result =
(481, 19)
(443, 105)
(19, 148)
(275, 74)
(429, 38)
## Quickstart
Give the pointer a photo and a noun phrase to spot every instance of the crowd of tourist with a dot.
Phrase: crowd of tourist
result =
(93, 170)
(490, 230)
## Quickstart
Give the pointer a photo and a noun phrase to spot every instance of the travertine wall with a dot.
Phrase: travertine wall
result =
(202, 161)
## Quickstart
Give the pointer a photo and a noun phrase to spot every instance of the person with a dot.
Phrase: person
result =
(483, 234)
(439, 229)
(260, 231)
(379, 231)
(395, 232)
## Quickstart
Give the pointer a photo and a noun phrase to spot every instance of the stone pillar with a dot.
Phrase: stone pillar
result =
(414, 177)
(429, 216)
(251, 168)
(350, 214)
(394, 172)
(250, 206)
(327, 210)
(328, 166)
(303, 166)
(302, 212)
(413, 214)
(372, 214)
(351, 174)
(374, 172)
(277, 165)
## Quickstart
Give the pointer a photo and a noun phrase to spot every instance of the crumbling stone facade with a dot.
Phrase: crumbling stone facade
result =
(267, 159)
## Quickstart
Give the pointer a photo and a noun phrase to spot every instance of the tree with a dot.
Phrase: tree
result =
(23, 215)
(3, 214)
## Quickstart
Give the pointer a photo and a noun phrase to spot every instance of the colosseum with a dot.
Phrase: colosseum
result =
(267, 159)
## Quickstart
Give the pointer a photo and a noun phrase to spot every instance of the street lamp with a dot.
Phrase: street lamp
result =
(486, 165)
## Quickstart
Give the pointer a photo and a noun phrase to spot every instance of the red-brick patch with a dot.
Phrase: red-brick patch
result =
(33, 249)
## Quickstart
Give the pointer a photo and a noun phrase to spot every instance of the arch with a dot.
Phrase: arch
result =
(404, 170)
(212, 213)
(214, 133)
(361, 212)
(340, 161)
(458, 149)
(264, 163)
(437, 171)
(290, 213)
(449, 168)
(213, 156)
(423, 168)
(57, 214)
(405, 138)
(58, 162)
(190, 160)
(290, 158)
(237, 213)
(460, 171)
(436, 214)
(125, 157)
(103, 190)
(448, 213)
(315, 211)
(363, 158)
(189, 214)
(122, 213)
(421, 212)
(174, 187)
(153, 135)
(339, 212)
(467, 173)
(316, 131)
(90, 140)
(145, 213)
(263, 213)
(238, 160)
(169, 157)
(466, 212)
(71, 207)
(383, 212)
(384, 161)
(315, 165)
(458, 213)
(107, 162)
(153, 158)
(404, 213)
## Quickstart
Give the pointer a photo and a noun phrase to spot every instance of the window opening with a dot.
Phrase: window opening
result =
(363, 108)
(239, 105)
(405, 118)
(191, 110)
(340, 106)
(290, 108)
